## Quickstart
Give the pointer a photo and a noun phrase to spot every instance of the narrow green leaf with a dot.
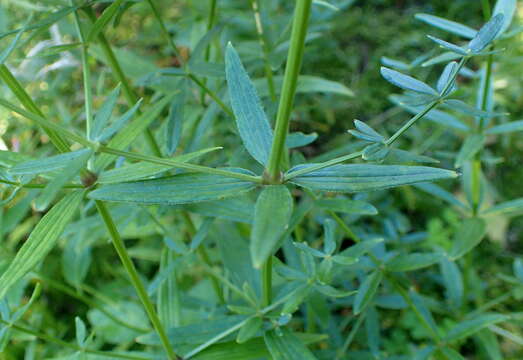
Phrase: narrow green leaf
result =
(173, 130)
(468, 236)
(81, 331)
(119, 123)
(299, 139)
(284, 345)
(251, 120)
(329, 231)
(367, 291)
(5, 54)
(470, 147)
(52, 163)
(179, 189)
(142, 170)
(509, 127)
(446, 76)
(449, 46)
(512, 208)
(414, 261)
(306, 84)
(103, 20)
(330, 291)
(355, 251)
(406, 82)
(400, 65)
(419, 304)
(57, 49)
(125, 137)
(447, 25)
(453, 281)
(451, 354)
(360, 178)
(249, 330)
(271, 218)
(487, 33)
(104, 114)
(41, 241)
(469, 327)
(508, 9)
(356, 207)
(69, 172)
(375, 152)
(467, 109)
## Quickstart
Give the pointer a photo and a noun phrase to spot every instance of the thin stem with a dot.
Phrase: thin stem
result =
(266, 274)
(86, 72)
(70, 292)
(128, 92)
(180, 165)
(135, 279)
(265, 48)
(192, 77)
(351, 336)
(290, 81)
(323, 165)
(65, 344)
(58, 140)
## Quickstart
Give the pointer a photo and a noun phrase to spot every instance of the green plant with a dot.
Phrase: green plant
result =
(276, 248)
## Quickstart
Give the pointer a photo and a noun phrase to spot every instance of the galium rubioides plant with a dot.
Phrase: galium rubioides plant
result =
(270, 291)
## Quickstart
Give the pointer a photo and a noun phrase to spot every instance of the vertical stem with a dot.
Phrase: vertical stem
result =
(135, 279)
(265, 48)
(128, 92)
(290, 81)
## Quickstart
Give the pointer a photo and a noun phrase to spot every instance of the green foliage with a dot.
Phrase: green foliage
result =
(330, 241)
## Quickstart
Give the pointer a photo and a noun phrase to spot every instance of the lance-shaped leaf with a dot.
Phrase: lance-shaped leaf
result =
(251, 120)
(41, 241)
(173, 130)
(469, 327)
(487, 33)
(119, 123)
(445, 77)
(53, 187)
(271, 218)
(104, 114)
(507, 208)
(468, 236)
(447, 25)
(509, 127)
(299, 139)
(103, 20)
(414, 261)
(360, 178)
(406, 82)
(367, 291)
(179, 189)
(365, 132)
(284, 345)
(52, 163)
(142, 170)
(470, 147)
(449, 46)
(508, 9)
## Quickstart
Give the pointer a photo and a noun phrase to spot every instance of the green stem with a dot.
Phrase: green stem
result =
(350, 337)
(290, 81)
(128, 92)
(58, 140)
(86, 73)
(65, 344)
(265, 48)
(323, 165)
(266, 274)
(135, 279)
(200, 83)
(176, 164)
(70, 292)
